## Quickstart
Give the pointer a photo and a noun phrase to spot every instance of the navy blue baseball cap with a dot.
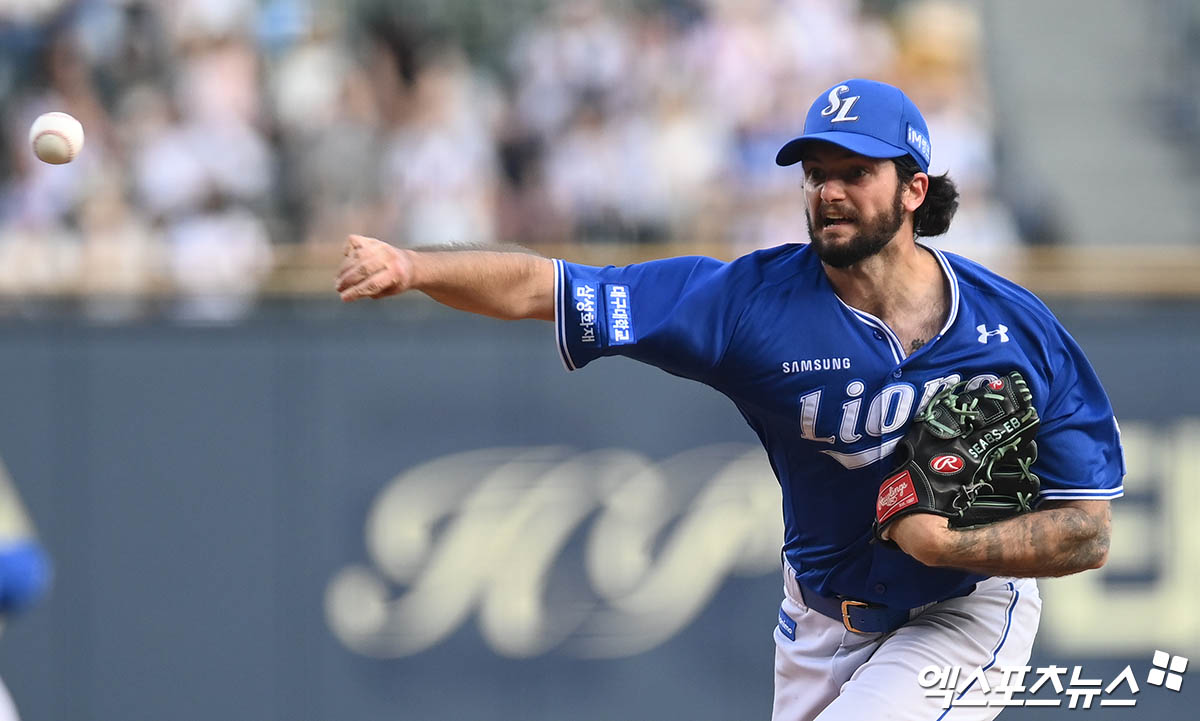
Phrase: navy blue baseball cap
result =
(866, 117)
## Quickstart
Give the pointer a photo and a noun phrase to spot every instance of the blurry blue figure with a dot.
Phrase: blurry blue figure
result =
(24, 575)
(25, 568)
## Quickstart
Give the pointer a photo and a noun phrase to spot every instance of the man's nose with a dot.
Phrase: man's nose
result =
(833, 190)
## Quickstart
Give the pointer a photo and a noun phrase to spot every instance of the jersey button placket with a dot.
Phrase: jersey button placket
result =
(897, 373)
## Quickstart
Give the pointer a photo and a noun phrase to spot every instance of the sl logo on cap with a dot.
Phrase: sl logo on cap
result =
(840, 105)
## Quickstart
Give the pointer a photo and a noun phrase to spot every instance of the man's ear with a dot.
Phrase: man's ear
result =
(915, 191)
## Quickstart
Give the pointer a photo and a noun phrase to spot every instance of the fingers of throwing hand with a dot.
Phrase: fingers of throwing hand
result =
(352, 271)
(371, 286)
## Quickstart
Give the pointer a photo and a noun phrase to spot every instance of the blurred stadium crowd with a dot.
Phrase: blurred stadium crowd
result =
(225, 134)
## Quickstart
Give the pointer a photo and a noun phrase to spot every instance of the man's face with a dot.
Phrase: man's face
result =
(855, 204)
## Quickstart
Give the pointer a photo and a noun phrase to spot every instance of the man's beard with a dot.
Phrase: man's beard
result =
(872, 237)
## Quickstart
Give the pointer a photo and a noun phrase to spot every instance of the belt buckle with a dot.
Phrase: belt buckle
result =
(847, 603)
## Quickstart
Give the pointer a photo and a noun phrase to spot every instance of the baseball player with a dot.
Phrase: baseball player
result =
(829, 350)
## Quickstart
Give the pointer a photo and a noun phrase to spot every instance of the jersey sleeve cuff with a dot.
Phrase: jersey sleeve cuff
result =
(1081, 494)
(560, 316)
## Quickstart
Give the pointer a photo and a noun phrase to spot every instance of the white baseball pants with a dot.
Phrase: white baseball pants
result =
(831, 674)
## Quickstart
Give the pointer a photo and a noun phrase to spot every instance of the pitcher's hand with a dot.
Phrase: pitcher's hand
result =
(373, 269)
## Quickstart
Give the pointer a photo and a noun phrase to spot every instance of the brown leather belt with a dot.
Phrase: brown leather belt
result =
(861, 616)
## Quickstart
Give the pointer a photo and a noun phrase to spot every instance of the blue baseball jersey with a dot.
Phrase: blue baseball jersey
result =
(830, 391)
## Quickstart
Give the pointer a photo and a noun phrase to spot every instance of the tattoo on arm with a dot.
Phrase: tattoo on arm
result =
(1050, 542)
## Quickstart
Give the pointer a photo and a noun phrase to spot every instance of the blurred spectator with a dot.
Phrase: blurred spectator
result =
(583, 170)
(439, 159)
(121, 254)
(28, 11)
(939, 60)
(580, 50)
(218, 256)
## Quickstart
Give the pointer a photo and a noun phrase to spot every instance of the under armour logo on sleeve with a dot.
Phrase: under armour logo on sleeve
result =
(984, 333)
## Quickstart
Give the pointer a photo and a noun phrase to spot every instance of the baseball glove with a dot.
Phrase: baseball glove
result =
(967, 457)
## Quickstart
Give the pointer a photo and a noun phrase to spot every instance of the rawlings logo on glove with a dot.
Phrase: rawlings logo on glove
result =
(966, 457)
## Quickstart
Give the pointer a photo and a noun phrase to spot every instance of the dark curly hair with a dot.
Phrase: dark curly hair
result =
(941, 201)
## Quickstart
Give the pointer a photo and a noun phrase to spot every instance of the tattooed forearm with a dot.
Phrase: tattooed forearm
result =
(1054, 541)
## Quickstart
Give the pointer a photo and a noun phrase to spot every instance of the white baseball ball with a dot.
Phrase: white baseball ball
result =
(56, 138)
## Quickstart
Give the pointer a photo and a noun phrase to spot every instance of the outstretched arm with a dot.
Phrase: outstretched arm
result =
(499, 284)
(1058, 539)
